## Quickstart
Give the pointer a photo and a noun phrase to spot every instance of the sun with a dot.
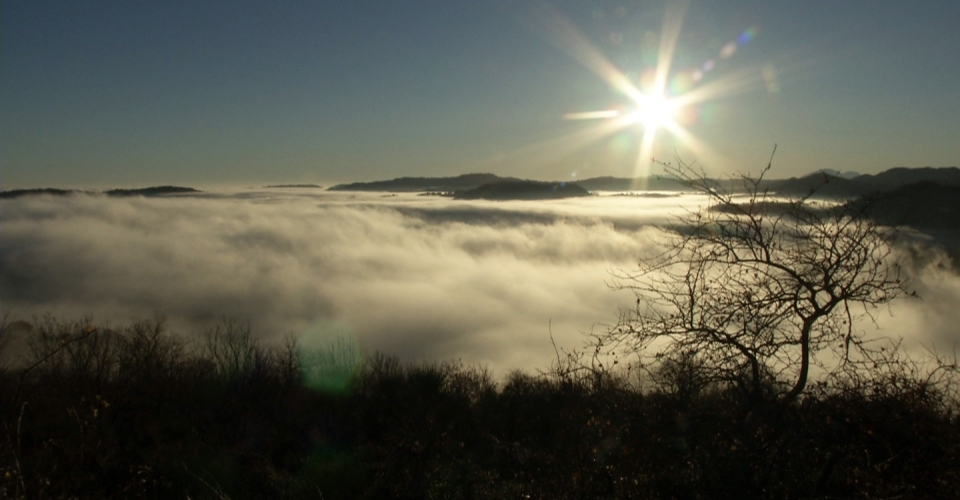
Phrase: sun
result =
(659, 103)
(654, 112)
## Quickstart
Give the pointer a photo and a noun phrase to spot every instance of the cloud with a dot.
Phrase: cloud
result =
(424, 278)
(927, 321)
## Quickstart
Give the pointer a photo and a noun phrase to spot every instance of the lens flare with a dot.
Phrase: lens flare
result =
(747, 36)
(592, 115)
(661, 100)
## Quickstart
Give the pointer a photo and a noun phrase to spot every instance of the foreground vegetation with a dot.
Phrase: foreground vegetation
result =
(134, 412)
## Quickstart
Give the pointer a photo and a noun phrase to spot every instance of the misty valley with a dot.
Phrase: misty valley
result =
(292, 341)
(534, 249)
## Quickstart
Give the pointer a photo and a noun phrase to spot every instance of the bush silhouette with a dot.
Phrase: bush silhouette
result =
(135, 412)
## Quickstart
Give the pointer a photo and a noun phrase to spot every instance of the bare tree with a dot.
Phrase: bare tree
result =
(755, 289)
(235, 352)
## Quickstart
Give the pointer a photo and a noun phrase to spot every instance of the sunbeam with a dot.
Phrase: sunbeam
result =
(660, 103)
(566, 144)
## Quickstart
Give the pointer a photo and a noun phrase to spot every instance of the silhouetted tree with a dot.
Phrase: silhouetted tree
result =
(755, 289)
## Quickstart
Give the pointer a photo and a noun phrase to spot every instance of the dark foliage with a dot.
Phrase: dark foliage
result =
(134, 412)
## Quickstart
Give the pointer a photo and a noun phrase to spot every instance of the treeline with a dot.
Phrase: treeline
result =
(135, 412)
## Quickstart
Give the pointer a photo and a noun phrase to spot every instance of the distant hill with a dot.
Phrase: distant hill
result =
(823, 184)
(149, 191)
(820, 185)
(416, 184)
(849, 174)
(922, 205)
(471, 181)
(152, 191)
(902, 176)
(522, 190)
(17, 193)
(631, 184)
(826, 183)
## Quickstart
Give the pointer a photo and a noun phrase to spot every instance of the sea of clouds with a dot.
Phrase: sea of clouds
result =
(422, 278)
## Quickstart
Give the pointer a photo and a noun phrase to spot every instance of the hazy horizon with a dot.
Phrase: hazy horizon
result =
(235, 186)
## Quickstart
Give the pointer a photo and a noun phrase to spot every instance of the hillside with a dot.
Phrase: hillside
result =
(416, 184)
(522, 190)
(901, 176)
(17, 193)
(630, 184)
(824, 185)
(148, 191)
(152, 191)
(294, 186)
(820, 184)
(921, 205)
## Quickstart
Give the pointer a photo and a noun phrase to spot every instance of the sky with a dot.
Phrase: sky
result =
(99, 94)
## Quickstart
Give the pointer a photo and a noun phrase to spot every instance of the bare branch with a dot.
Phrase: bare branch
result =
(758, 282)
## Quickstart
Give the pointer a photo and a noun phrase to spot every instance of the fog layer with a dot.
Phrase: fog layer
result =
(423, 278)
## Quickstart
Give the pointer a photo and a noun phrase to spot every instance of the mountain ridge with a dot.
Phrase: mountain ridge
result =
(419, 184)
(824, 183)
(522, 190)
(147, 191)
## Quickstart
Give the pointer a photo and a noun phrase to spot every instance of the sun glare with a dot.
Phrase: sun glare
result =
(665, 104)
(654, 112)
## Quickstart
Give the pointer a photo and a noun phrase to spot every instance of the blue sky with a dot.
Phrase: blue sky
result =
(126, 93)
